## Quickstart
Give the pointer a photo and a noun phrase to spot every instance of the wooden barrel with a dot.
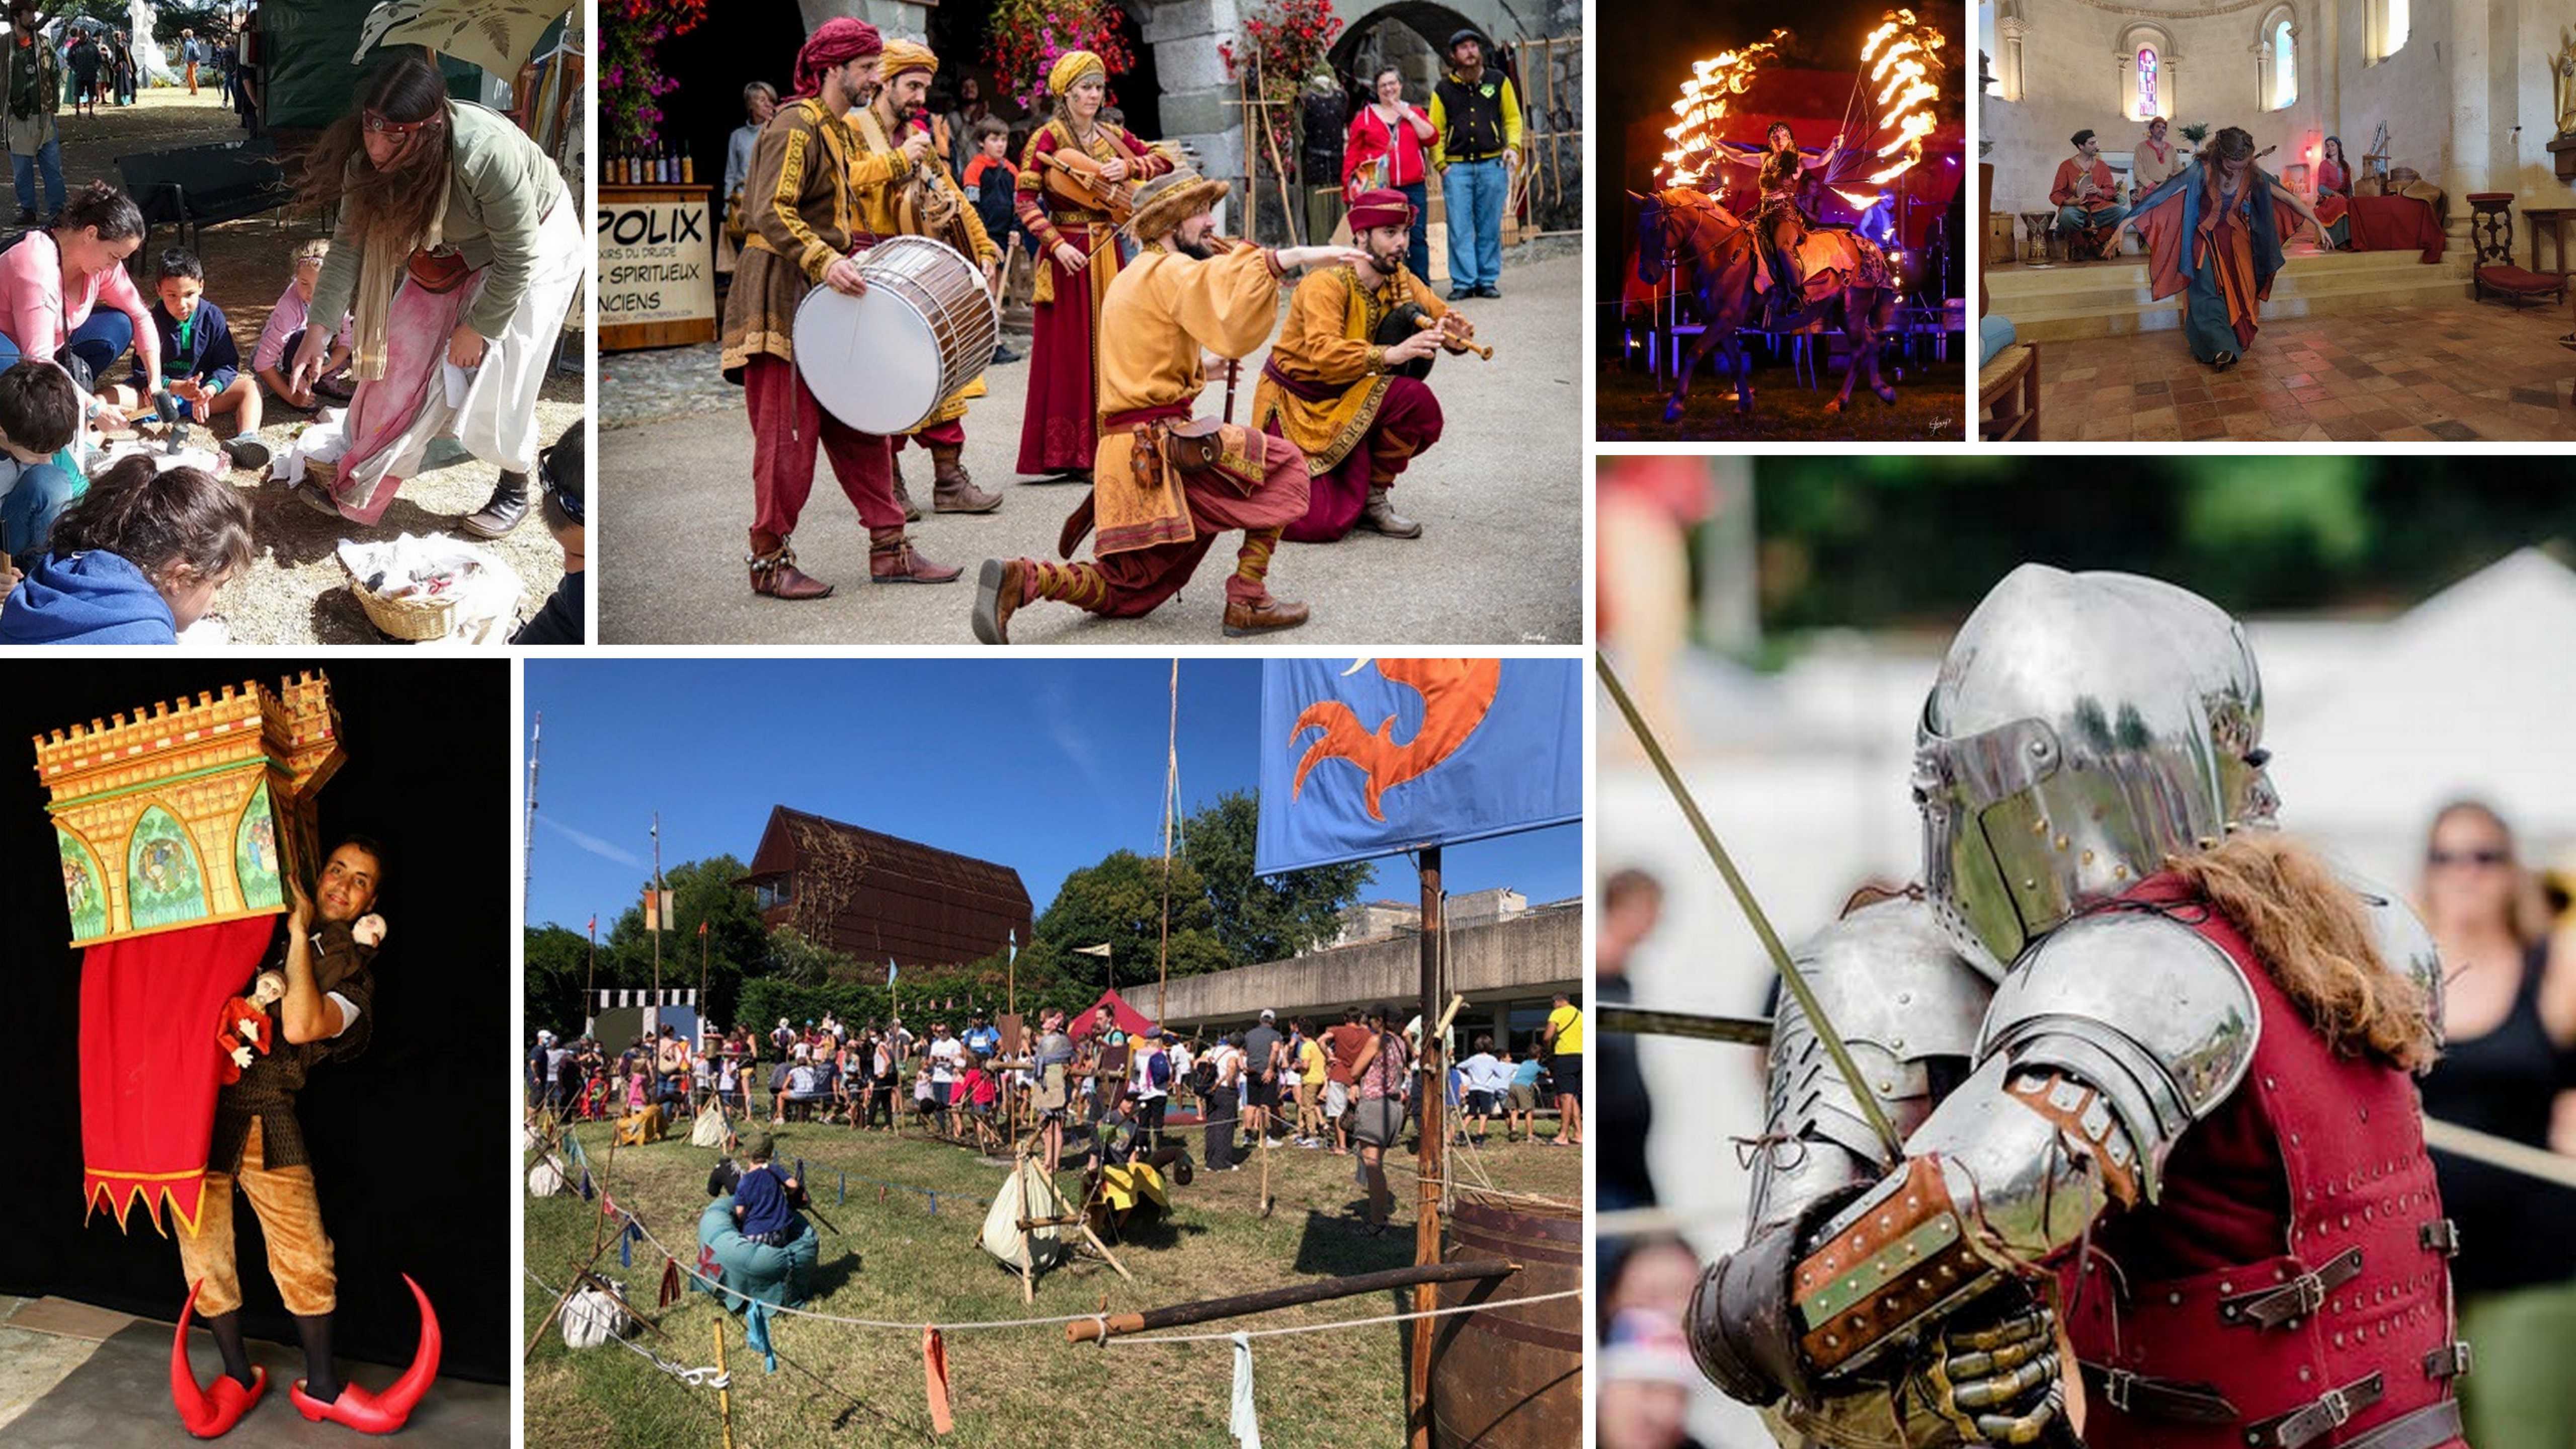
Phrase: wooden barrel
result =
(1510, 1378)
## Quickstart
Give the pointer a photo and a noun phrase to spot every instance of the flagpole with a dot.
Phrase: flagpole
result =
(655, 914)
(1171, 782)
(589, 996)
(1435, 1131)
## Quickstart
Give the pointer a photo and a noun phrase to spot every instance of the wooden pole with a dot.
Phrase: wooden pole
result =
(655, 914)
(1208, 1310)
(724, 1392)
(590, 979)
(1171, 783)
(1434, 1099)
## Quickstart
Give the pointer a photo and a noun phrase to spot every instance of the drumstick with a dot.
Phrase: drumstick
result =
(1424, 322)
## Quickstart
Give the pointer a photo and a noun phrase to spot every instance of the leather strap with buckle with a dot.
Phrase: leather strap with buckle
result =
(2447, 1362)
(2441, 1235)
(2295, 1299)
(2155, 1398)
(2320, 1416)
(2429, 1427)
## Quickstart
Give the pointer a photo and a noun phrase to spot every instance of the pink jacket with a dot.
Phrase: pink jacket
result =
(39, 307)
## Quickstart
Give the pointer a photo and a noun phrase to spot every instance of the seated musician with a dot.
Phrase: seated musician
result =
(1332, 384)
(2087, 197)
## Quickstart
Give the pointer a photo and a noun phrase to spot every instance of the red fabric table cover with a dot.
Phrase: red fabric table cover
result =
(2396, 224)
(149, 1066)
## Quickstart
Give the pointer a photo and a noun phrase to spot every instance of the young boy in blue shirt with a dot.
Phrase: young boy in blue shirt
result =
(764, 1200)
(200, 366)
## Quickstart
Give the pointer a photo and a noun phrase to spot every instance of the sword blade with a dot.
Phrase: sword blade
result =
(1790, 976)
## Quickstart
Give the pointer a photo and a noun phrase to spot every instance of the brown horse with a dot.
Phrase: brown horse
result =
(1690, 232)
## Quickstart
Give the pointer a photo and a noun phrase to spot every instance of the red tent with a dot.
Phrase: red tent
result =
(1129, 1019)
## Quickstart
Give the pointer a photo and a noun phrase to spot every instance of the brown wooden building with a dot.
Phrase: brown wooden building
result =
(873, 896)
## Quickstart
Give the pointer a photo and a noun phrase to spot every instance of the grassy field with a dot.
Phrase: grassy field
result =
(895, 1260)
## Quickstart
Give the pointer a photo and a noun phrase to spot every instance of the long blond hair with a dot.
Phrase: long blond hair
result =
(2308, 929)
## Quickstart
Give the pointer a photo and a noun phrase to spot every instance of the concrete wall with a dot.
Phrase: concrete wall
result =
(1518, 959)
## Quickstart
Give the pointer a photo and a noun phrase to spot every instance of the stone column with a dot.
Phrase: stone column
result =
(2008, 38)
(1197, 93)
(895, 17)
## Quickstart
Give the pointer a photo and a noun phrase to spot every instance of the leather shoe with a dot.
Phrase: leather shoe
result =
(1489, 290)
(1260, 616)
(502, 511)
(1380, 515)
(954, 491)
(997, 596)
(903, 496)
(776, 576)
(900, 563)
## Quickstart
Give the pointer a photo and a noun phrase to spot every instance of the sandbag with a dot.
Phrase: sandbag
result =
(1027, 1193)
(712, 1130)
(545, 1179)
(591, 1318)
(782, 1274)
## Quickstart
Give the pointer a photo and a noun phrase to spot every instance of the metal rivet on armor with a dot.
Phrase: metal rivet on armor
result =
(2038, 827)
(2061, 842)
(1832, 1342)
(2119, 872)
(2226, 1287)
(1887, 1220)
(2338, 1340)
(2267, 1081)
(2280, 1275)
(2294, 1139)
(2347, 1220)
(2368, 1212)
(1904, 998)
(2086, 857)
(2174, 1298)
(2365, 1114)
(1889, 1086)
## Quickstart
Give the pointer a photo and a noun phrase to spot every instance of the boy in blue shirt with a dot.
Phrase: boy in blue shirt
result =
(200, 366)
(764, 1201)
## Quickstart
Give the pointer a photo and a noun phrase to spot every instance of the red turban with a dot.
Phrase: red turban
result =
(1372, 209)
(837, 43)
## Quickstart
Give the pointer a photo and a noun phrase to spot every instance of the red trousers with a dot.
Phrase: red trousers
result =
(950, 434)
(786, 424)
(1408, 421)
(1135, 582)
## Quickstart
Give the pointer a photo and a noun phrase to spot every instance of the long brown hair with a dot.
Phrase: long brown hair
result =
(404, 200)
(2308, 928)
(159, 519)
(2527, 917)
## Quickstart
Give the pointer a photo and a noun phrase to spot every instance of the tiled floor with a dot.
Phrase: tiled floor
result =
(2461, 372)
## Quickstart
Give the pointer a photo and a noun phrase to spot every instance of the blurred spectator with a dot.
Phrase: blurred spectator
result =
(2509, 1020)
(1563, 1039)
(1647, 1376)
(1632, 901)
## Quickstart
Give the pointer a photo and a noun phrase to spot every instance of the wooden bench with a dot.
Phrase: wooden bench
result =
(194, 187)
(2008, 395)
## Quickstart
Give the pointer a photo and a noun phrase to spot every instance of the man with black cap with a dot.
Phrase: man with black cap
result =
(2087, 199)
(1477, 150)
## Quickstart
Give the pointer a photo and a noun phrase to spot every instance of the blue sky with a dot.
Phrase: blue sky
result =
(1042, 765)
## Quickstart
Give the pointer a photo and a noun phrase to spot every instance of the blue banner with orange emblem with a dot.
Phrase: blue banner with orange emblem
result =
(1390, 755)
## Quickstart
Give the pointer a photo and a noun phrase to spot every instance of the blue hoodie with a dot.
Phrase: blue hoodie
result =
(86, 598)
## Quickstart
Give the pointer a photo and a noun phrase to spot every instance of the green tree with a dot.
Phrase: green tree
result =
(551, 984)
(797, 961)
(1120, 902)
(737, 944)
(1264, 920)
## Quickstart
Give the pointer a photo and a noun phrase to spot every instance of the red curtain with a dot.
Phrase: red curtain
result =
(149, 1064)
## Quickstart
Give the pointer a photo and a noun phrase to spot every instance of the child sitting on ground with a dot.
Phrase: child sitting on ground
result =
(40, 410)
(137, 559)
(565, 471)
(200, 366)
(285, 329)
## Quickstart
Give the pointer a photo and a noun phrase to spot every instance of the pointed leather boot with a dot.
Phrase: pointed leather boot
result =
(953, 491)
(1260, 616)
(997, 596)
(776, 576)
(896, 561)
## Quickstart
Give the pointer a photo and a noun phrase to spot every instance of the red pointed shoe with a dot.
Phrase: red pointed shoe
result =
(208, 1413)
(386, 1412)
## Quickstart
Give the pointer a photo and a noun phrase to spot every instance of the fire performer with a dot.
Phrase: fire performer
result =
(2214, 231)
(1077, 243)
(1165, 486)
(923, 201)
(2152, 1058)
(1780, 222)
(1334, 387)
(321, 1014)
(803, 197)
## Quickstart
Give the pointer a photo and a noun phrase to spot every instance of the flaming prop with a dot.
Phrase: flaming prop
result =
(1901, 71)
(1706, 99)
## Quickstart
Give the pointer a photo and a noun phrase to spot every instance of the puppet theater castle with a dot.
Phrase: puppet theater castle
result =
(2459, 112)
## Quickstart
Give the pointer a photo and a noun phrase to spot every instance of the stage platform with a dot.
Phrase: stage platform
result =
(2070, 301)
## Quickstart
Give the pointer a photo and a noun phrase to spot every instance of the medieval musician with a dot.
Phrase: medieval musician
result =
(1164, 484)
(924, 201)
(2150, 1059)
(1347, 381)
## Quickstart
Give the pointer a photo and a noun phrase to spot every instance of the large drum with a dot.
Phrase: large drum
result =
(883, 363)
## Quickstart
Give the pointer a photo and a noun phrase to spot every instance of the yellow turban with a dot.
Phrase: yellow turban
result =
(904, 55)
(1072, 68)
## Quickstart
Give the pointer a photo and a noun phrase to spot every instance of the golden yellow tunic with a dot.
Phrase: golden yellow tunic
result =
(1163, 311)
(892, 208)
(1328, 339)
(799, 196)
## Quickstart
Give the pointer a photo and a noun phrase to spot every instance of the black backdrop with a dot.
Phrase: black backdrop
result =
(409, 1139)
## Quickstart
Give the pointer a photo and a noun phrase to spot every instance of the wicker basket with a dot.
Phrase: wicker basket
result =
(414, 621)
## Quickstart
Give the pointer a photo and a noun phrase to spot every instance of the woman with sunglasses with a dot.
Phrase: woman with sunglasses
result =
(459, 249)
(2509, 1019)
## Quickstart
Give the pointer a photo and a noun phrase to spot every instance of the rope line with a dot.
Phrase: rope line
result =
(1346, 1322)
(696, 1378)
(912, 1326)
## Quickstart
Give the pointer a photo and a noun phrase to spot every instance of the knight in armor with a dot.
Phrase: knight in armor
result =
(923, 200)
(1779, 222)
(1348, 379)
(801, 197)
(2151, 1062)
